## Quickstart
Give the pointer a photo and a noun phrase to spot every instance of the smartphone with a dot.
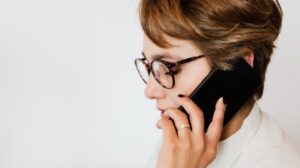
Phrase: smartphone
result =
(236, 86)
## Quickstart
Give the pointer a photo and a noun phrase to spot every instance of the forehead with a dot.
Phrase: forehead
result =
(181, 49)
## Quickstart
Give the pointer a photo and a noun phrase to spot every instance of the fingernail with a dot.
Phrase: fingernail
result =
(181, 95)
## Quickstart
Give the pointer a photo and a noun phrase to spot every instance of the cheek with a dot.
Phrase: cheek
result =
(191, 77)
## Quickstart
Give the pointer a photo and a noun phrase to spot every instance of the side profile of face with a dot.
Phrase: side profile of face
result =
(186, 80)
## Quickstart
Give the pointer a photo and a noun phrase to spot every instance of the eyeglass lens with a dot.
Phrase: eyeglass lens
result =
(160, 72)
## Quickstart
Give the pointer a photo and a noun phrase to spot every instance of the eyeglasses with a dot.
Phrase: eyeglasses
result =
(164, 72)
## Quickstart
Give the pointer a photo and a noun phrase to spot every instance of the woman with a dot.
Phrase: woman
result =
(219, 30)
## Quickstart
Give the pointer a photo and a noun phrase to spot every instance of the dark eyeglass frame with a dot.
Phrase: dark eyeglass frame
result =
(170, 65)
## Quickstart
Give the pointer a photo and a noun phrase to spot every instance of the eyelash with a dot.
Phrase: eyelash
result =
(175, 71)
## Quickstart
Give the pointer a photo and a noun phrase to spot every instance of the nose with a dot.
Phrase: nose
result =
(153, 89)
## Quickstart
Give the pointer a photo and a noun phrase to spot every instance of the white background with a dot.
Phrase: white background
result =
(70, 96)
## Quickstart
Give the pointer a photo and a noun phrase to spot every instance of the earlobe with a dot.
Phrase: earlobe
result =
(249, 56)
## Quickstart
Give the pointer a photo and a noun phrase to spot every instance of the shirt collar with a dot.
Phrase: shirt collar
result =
(229, 149)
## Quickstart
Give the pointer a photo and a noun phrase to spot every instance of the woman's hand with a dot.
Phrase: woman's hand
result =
(186, 148)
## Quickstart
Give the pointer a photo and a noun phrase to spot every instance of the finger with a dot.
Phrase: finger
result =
(195, 114)
(168, 129)
(180, 120)
(214, 131)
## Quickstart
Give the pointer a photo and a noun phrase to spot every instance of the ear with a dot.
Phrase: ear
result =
(249, 56)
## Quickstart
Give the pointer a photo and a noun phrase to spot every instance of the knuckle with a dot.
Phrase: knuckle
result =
(172, 147)
(218, 117)
(165, 123)
(199, 148)
(168, 123)
(217, 124)
(211, 152)
(174, 112)
(192, 106)
(216, 120)
(197, 113)
(186, 145)
(170, 111)
(186, 100)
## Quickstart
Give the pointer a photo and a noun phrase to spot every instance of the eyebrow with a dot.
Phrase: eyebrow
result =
(160, 56)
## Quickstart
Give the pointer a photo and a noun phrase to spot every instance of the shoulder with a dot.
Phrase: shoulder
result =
(272, 147)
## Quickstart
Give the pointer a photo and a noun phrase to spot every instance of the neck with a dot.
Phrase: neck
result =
(236, 122)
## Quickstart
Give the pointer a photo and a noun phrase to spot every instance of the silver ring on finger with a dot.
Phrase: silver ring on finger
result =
(183, 126)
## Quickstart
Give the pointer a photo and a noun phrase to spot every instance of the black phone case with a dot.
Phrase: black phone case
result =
(236, 86)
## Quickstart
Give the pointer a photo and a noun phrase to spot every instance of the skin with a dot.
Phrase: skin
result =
(187, 148)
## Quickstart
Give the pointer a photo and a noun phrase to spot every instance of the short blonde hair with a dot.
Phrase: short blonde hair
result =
(220, 28)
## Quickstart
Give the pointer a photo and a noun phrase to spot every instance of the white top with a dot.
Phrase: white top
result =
(259, 143)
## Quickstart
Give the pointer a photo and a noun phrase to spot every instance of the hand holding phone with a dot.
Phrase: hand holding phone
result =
(236, 86)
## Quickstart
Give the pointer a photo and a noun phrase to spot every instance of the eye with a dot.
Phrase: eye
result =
(175, 71)
(167, 73)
